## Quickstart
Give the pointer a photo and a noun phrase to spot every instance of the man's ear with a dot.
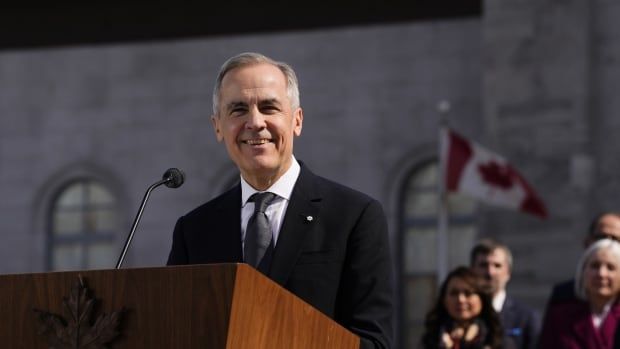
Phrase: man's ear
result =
(215, 121)
(298, 119)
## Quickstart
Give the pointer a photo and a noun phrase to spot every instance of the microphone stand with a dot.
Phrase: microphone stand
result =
(137, 219)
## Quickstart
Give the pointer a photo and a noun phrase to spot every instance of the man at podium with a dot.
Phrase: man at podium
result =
(324, 242)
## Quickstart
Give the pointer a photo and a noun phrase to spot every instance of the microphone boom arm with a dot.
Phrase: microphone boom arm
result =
(137, 220)
(173, 178)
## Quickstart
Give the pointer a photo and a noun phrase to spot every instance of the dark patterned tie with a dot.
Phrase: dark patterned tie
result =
(258, 245)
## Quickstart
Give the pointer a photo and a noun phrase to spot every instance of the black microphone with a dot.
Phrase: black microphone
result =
(172, 178)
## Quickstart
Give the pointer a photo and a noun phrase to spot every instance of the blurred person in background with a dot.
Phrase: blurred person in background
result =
(590, 320)
(492, 262)
(463, 316)
(605, 225)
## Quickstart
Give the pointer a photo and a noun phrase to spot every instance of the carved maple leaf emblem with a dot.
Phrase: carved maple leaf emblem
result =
(496, 175)
(77, 330)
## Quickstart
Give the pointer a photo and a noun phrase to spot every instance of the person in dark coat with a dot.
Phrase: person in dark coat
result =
(324, 242)
(493, 262)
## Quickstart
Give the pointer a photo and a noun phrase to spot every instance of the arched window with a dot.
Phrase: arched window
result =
(84, 225)
(419, 246)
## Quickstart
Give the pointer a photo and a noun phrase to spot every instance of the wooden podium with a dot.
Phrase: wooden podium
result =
(200, 306)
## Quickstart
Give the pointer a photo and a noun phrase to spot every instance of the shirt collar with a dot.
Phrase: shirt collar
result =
(598, 319)
(283, 187)
(498, 300)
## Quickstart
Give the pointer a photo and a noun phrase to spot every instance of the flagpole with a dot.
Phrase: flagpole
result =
(443, 107)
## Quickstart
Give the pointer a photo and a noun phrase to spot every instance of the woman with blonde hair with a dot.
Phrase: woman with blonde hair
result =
(589, 321)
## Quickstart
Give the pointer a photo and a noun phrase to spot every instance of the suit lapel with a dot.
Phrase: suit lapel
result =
(507, 315)
(301, 215)
(609, 327)
(583, 328)
(229, 225)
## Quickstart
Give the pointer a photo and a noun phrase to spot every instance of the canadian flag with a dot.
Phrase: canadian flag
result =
(475, 171)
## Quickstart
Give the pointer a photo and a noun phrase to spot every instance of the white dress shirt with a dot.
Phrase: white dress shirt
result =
(283, 188)
(498, 301)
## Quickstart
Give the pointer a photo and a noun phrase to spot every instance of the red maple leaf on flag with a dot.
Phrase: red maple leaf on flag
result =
(496, 175)
(484, 175)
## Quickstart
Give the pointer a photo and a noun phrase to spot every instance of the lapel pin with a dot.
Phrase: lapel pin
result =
(309, 218)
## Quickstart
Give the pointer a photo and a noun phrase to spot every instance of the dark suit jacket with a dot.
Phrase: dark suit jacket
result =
(521, 324)
(338, 260)
(563, 291)
(568, 325)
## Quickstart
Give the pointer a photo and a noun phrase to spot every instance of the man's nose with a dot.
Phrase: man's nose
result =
(256, 120)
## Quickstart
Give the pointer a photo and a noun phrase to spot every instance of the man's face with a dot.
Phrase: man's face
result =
(256, 122)
(608, 227)
(494, 270)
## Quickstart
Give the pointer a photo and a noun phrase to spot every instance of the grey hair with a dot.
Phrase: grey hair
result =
(253, 58)
(603, 244)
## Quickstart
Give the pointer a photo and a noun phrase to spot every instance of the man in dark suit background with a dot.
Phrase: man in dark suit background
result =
(492, 261)
(329, 243)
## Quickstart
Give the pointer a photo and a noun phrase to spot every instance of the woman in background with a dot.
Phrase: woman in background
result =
(591, 320)
(463, 316)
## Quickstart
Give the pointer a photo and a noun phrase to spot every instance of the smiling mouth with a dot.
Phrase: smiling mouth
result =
(257, 141)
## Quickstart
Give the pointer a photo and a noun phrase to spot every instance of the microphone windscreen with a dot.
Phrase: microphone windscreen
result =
(174, 178)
